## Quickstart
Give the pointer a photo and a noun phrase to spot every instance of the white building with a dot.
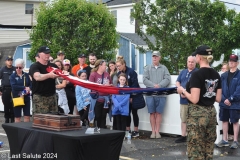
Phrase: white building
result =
(121, 9)
(16, 18)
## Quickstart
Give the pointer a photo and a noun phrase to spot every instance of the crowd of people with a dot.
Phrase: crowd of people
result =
(199, 89)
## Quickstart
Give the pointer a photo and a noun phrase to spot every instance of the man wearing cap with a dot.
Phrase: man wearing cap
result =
(82, 64)
(182, 80)
(156, 75)
(202, 90)
(60, 55)
(5, 73)
(92, 59)
(43, 83)
(230, 102)
(36, 57)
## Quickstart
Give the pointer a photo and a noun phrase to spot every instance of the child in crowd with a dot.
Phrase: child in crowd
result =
(83, 98)
(60, 90)
(70, 88)
(120, 110)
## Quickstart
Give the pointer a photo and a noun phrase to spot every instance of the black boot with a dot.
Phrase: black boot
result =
(12, 120)
(6, 120)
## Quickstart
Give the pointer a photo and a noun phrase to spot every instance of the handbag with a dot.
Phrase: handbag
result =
(138, 101)
(18, 101)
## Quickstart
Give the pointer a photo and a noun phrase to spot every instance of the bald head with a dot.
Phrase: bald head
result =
(191, 62)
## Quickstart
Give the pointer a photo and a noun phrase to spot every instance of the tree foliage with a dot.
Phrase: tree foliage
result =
(179, 26)
(74, 26)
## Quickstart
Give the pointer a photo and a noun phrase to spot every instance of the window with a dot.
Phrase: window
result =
(114, 13)
(28, 8)
(131, 18)
(25, 53)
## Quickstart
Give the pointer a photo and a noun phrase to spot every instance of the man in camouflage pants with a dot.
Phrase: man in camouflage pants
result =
(43, 83)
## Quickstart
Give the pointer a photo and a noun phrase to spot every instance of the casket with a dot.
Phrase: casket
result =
(56, 122)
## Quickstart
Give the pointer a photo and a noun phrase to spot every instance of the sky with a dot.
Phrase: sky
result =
(232, 6)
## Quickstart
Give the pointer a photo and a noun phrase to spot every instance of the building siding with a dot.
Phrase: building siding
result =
(22, 52)
(124, 48)
(149, 57)
(13, 35)
(13, 13)
(141, 62)
(133, 55)
(123, 19)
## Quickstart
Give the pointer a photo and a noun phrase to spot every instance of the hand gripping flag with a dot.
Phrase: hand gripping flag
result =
(111, 89)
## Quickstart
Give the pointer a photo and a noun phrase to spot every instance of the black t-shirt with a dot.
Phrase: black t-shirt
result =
(230, 77)
(88, 71)
(70, 90)
(46, 87)
(208, 80)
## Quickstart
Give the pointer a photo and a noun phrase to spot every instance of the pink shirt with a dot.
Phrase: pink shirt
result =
(97, 78)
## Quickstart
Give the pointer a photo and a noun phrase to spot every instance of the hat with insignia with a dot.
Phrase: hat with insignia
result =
(82, 56)
(233, 57)
(60, 52)
(44, 49)
(66, 62)
(9, 58)
(203, 50)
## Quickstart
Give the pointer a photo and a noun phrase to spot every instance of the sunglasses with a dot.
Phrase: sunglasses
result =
(66, 64)
(18, 67)
(102, 62)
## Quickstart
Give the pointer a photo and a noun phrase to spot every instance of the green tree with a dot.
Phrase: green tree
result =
(179, 26)
(74, 26)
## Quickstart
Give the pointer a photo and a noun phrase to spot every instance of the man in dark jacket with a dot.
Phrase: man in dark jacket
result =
(5, 73)
(230, 102)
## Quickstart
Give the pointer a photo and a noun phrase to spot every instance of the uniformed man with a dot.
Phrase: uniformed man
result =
(5, 73)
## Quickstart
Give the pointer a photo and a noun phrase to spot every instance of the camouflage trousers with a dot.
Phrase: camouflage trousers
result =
(201, 131)
(42, 104)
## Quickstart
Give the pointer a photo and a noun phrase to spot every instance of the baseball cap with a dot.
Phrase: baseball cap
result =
(60, 52)
(9, 58)
(44, 49)
(203, 50)
(82, 55)
(233, 57)
(156, 53)
(66, 61)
